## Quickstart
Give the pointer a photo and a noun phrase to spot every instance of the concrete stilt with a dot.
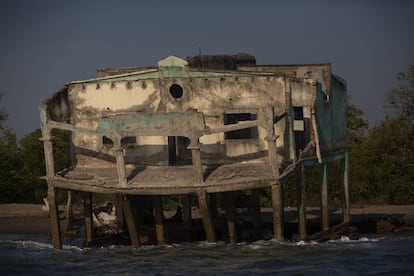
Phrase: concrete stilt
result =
(54, 218)
(130, 222)
(301, 196)
(120, 213)
(206, 217)
(51, 190)
(345, 197)
(159, 219)
(187, 216)
(277, 204)
(212, 203)
(256, 219)
(231, 216)
(324, 198)
(87, 212)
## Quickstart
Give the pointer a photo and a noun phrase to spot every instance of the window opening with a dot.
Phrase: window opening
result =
(178, 150)
(299, 129)
(176, 91)
(245, 133)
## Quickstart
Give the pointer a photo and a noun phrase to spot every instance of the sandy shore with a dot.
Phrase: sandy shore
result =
(31, 219)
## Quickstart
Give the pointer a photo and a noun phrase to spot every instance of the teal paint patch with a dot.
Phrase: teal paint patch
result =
(188, 124)
(43, 116)
(331, 118)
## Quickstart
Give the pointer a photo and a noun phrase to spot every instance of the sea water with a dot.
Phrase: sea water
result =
(372, 255)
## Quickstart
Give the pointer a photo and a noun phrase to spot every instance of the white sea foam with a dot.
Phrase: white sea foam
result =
(346, 239)
(40, 245)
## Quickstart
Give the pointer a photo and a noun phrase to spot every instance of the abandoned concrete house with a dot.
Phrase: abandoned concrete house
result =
(197, 127)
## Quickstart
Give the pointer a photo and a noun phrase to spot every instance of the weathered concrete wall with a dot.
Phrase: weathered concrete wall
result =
(59, 106)
(319, 72)
(174, 87)
(214, 96)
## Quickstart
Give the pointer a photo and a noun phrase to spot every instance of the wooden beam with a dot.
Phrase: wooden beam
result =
(159, 219)
(301, 196)
(130, 221)
(87, 212)
(206, 217)
(324, 198)
(277, 204)
(231, 216)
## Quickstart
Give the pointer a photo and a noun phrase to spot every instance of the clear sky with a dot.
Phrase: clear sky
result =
(45, 44)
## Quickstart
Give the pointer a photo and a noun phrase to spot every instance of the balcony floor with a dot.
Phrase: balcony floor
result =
(165, 180)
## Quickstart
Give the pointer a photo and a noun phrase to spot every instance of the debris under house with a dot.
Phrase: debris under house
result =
(198, 128)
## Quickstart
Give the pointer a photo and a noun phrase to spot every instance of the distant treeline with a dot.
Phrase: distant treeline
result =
(381, 159)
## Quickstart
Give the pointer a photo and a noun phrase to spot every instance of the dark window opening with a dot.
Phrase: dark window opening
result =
(299, 129)
(245, 133)
(128, 140)
(178, 151)
(298, 112)
(176, 91)
(107, 142)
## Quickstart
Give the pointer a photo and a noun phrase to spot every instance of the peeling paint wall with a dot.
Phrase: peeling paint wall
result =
(214, 97)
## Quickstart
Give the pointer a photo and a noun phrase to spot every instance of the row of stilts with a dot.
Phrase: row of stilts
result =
(206, 206)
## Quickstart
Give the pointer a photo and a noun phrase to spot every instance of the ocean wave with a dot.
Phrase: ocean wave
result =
(30, 244)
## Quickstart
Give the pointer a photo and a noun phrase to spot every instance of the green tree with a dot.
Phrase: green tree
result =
(400, 101)
(358, 158)
(3, 116)
(389, 149)
(11, 179)
(33, 160)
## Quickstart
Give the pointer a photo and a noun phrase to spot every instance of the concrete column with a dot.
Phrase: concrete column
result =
(130, 222)
(301, 196)
(206, 217)
(159, 219)
(231, 216)
(277, 204)
(324, 198)
(256, 215)
(345, 199)
(87, 212)
(120, 213)
(120, 165)
(271, 141)
(196, 159)
(51, 190)
(54, 217)
(187, 217)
